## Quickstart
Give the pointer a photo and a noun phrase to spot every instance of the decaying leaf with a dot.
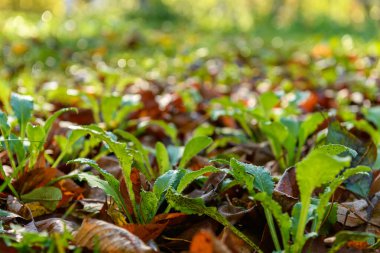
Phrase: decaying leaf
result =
(107, 237)
(205, 242)
(351, 214)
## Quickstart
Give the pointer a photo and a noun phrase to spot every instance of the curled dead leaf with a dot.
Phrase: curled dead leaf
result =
(111, 238)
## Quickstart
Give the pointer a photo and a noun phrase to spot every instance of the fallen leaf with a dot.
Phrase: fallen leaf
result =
(205, 242)
(55, 225)
(111, 238)
(233, 242)
(348, 212)
(146, 232)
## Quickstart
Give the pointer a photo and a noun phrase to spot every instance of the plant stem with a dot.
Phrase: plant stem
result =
(59, 158)
(299, 241)
(272, 229)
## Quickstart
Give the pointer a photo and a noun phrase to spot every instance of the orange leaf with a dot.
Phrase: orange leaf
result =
(202, 242)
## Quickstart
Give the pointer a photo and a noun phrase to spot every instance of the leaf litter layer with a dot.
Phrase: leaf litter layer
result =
(230, 147)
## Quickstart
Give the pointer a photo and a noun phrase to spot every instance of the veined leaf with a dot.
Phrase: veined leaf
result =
(336, 149)
(148, 205)
(94, 181)
(162, 157)
(318, 168)
(189, 177)
(48, 196)
(113, 182)
(240, 175)
(315, 169)
(123, 155)
(139, 147)
(262, 178)
(193, 147)
(196, 206)
(170, 179)
(111, 238)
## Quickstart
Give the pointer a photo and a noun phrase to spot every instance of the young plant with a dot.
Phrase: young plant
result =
(322, 167)
(151, 201)
(25, 149)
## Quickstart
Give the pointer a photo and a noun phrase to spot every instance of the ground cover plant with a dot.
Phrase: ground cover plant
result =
(127, 132)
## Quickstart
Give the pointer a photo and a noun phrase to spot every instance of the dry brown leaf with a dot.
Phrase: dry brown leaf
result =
(111, 238)
(205, 242)
(55, 225)
(146, 232)
(351, 214)
(233, 242)
(374, 215)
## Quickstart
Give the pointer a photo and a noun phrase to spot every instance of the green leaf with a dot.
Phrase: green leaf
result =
(331, 188)
(274, 130)
(120, 149)
(189, 177)
(22, 106)
(366, 155)
(204, 130)
(373, 115)
(49, 122)
(283, 220)
(5, 95)
(342, 237)
(17, 147)
(240, 175)
(290, 142)
(124, 156)
(316, 169)
(196, 206)
(366, 150)
(112, 181)
(95, 181)
(170, 179)
(193, 147)
(262, 178)
(109, 106)
(336, 149)
(36, 136)
(267, 101)
(162, 158)
(308, 126)
(4, 126)
(148, 205)
(139, 147)
(296, 211)
(48, 196)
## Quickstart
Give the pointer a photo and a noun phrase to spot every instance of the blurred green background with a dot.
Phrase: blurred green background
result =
(270, 17)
